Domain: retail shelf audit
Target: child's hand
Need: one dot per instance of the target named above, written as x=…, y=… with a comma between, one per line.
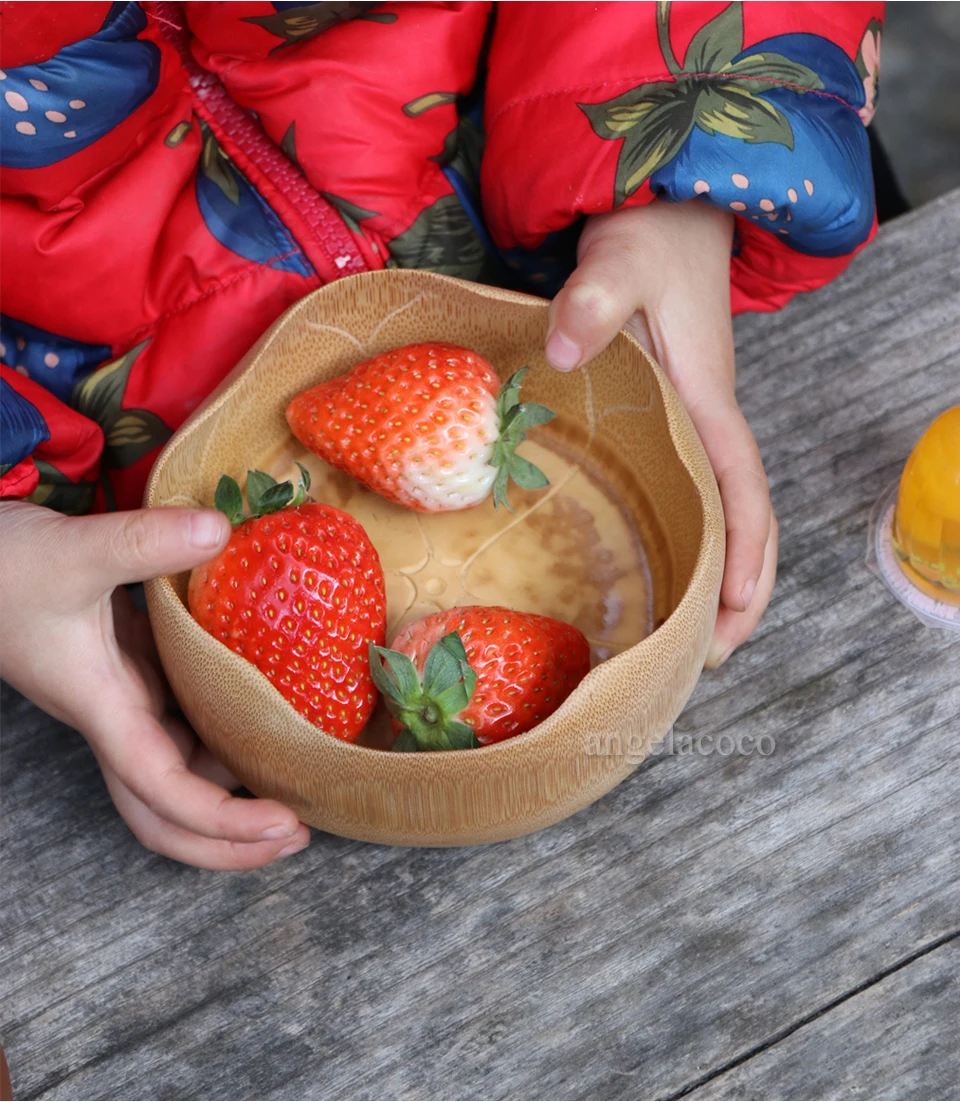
x=664, y=271
x=75, y=645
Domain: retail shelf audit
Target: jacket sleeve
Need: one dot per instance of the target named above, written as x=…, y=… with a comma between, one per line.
x=759, y=109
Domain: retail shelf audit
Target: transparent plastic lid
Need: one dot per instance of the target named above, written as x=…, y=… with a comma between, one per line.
x=883, y=560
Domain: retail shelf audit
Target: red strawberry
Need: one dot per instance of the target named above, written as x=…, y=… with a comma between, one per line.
x=427, y=426
x=471, y=676
x=298, y=591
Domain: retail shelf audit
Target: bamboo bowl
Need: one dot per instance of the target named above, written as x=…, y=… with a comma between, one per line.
x=627, y=543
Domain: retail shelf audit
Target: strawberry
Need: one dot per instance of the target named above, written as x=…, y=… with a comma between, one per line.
x=471, y=676
x=298, y=591
x=427, y=426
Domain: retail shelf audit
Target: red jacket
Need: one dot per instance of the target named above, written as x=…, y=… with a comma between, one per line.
x=174, y=177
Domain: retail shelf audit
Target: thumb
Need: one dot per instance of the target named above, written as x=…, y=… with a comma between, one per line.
x=118, y=548
x=603, y=292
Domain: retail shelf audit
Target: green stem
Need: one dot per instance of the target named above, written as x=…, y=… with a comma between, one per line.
x=663, y=37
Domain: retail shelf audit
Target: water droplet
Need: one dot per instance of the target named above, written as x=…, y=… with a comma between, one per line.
x=55, y=116
x=808, y=187
x=740, y=180
x=39, y=85
x=701, y=187
x=738, y=206
x=16, y=101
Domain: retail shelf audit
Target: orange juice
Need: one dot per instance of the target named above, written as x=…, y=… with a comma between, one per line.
x=926, y=529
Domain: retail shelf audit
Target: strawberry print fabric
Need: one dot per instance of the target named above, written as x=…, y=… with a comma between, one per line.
x=173, y=177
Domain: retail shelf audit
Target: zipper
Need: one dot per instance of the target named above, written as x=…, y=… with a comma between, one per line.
x=316, y=225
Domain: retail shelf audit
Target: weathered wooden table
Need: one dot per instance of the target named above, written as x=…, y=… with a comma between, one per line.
x=779, y=926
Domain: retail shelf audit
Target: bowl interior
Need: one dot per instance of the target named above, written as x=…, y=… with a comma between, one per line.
x=609, y=546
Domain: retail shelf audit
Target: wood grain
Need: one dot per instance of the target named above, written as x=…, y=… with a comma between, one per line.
x=753, y=926
x=901, y=1015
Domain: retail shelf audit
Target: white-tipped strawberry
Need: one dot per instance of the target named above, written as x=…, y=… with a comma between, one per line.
x=427, y=426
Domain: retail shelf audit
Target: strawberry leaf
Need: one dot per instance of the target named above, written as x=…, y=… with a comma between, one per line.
x=515, y=418
x=441, y=670
x=258, y=483
x=428, y=713
x=216, y=166
x=453, y=699
x=404, y=673
x=275, y=498
x=460, y=736
x=653, y=142
x=509, y=395
x=766, y=71
x=734, y=111
x=613, y=118
x=526, y=475
x=405, y=742
x=717, y=43
x=454, y=644
x=303, y=486
x=380, y=677
x=229, y=500
x=532, y=414
x=500, y=484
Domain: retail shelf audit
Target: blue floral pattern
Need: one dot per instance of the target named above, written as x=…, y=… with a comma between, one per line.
x=239, y=218
x=57, y=363
x=22, y=427
x=772, y=133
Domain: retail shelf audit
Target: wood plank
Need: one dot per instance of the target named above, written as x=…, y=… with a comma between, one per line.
x=901, y=1015
x=678, y=933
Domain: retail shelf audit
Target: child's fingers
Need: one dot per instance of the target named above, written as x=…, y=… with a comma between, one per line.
x=117, y=548
x=744, y=492
x=152, y=763
x=597, y=299
x=205, y=765
x=172, y=840
x=734, y=628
